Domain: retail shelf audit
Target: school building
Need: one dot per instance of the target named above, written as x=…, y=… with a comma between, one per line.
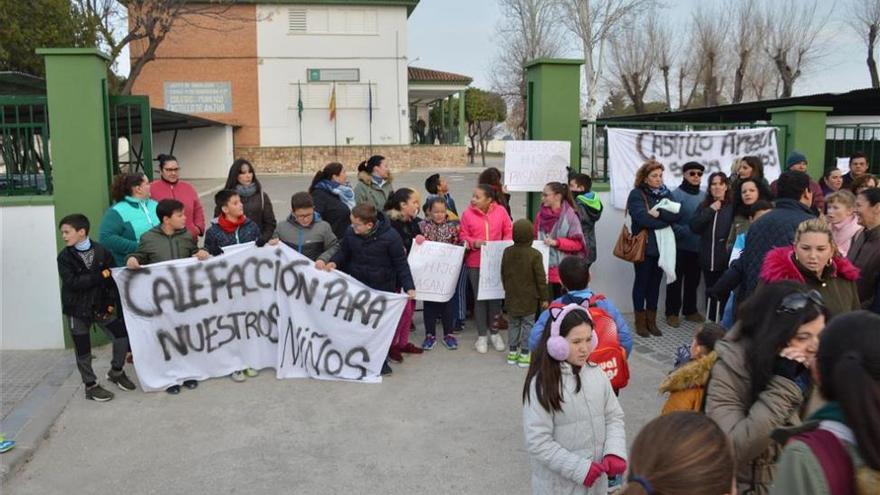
x=302, y=83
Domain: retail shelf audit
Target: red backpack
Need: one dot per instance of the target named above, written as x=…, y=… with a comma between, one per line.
x=608, y=354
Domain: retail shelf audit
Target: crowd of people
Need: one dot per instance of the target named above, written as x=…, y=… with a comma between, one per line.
x=784, y=364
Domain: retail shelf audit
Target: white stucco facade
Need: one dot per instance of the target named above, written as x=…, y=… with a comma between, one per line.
x=30, y=302
x=292, y=39
x=203, y=153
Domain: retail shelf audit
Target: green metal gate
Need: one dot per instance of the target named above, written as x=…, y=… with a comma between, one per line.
x=594, y=139
x=25, y=165
x=843, y=140
x=129, y=130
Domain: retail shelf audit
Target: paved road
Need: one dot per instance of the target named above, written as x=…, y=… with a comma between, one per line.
x=444, y=422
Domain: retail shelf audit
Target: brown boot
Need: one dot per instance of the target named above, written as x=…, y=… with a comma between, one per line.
x=641, y=326
x=673, y=321
x=651, y=322
x=695, y=318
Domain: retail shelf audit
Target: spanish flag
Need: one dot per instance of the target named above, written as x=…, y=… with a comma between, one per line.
x=333, y=103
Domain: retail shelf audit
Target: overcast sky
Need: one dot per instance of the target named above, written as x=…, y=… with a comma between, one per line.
x=459, y=36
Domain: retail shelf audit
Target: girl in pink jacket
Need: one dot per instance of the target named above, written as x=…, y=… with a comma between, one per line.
x=484, y=220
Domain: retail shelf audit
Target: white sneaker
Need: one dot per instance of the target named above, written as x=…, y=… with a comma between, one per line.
x=238, y=376
x=497, y=342
x=481, y=345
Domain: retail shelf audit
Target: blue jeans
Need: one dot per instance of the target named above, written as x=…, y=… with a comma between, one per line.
x=646, y=286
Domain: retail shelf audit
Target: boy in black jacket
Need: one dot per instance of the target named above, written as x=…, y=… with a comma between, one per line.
x=89, y=296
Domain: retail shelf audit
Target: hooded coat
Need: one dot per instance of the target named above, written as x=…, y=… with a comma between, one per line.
x=84, y=290
x=589, y=208
x=837, y=284
x=332, y=210
x=748, y=423
x=257, y=207
x=407, y=229
x=216, y=238
x=156, y=246
x=367, y=191
x=376, y=259
x=522, y=273
x=686, y=385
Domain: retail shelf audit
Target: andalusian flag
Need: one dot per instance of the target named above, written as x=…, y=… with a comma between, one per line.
x=299, y=101
x=333, y=103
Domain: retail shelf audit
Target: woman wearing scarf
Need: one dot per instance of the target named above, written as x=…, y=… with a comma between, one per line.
x=841, y=215
x=333, y=197
x=257, y=205
x=374, y=182
x=648, y=191
x=559, y=226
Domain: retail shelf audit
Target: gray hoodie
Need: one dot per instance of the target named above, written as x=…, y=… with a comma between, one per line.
x=315, y=242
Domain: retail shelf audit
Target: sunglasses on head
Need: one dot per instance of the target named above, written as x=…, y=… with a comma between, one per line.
x=797, y=302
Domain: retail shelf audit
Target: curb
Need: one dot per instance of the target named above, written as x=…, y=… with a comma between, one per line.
x=31, y=419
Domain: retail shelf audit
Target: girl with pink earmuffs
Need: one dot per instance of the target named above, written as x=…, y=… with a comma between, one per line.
x=573, y=423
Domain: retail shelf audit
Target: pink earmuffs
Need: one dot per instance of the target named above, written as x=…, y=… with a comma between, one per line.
x=557, y=346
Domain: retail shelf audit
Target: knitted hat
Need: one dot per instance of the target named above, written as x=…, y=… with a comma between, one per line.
x=693, y=165
x=793, y=158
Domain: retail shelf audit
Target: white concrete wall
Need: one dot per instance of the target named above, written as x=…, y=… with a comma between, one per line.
x=284, y=59
x=203, y=153
x=30, y=301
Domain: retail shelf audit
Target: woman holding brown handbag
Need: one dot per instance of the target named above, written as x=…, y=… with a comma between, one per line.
x=648, y=191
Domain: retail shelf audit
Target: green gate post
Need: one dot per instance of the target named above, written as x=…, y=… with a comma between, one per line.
x=76, y=82
x=553, y=108
x=806, y=134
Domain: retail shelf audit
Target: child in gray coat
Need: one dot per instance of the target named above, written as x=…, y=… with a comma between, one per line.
x=305, y=232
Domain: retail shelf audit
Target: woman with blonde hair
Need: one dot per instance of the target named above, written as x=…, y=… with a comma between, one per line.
x=840, y=209
x=814, y=261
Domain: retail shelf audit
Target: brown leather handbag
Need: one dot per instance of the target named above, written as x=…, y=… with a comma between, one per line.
x=631, y=247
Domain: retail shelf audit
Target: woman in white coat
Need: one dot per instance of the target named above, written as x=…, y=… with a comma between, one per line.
x=573, y=423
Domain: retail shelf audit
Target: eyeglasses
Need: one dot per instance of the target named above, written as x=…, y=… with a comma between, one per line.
x=695, y=174
x=797, y=302
x=175, y=170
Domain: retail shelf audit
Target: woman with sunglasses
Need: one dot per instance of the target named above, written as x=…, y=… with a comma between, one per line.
x=761, y=380
x=815, y=262
x=838, y=449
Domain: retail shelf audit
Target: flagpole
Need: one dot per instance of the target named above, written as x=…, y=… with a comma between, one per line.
x=370, y=88
x=335, y=120
x=299, y=107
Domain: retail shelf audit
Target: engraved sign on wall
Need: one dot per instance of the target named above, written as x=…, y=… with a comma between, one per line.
x=198, y=97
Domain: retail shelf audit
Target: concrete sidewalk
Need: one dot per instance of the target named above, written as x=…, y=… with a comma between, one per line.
x=444, y=422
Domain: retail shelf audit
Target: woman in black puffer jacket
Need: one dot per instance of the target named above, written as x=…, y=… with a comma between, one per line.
x=713, y=221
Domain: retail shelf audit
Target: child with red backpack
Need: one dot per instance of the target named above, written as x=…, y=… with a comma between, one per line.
x=574, y=273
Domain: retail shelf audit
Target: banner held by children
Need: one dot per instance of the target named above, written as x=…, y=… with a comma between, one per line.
x=628, y=149
x=530, y=165
x=260, y=308
x=491, y=253
x=435, y=267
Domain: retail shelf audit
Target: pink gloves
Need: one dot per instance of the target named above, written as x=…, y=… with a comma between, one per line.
x=613, y=465
x=593, y=474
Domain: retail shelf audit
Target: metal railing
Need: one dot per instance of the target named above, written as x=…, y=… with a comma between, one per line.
x=843, y=140
x=25, y=164
x=130, y=135
x=594, y=139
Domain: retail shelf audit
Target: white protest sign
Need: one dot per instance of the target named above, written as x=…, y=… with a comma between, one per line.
x=261, y=308
x=491, y=286
x=628, y=149
x=843, y=164
x=530, y=165
x=435, y=268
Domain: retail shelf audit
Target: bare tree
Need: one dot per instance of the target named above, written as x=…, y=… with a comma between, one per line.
x=664, y=54
x=710, y=31
x=148, y=24
x=632, y=57
x=794, y=27
x=866, y=20
x=528, y=31
x=690, y=70
x=762, y=80
x=748, y=31
x=593, y=23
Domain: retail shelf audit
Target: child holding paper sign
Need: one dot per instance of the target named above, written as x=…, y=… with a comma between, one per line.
x=484, y=220
x=438, y=228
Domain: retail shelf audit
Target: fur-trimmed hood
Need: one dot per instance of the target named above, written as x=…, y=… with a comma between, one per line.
x=779, y=265
x=690, y=375
x=367, y=178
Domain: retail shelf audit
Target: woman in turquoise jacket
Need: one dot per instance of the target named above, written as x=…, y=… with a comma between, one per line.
x=132, y=214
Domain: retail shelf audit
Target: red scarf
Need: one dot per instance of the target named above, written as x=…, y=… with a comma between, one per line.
x=228, y=225
x=548, y=218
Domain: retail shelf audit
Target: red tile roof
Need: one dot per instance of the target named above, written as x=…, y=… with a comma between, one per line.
x=427, y=75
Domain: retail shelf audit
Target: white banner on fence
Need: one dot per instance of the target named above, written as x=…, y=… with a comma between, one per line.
x=530, y=165
x=491, y=253
x=435, y=267
x=260, y=308
x=628, y=149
